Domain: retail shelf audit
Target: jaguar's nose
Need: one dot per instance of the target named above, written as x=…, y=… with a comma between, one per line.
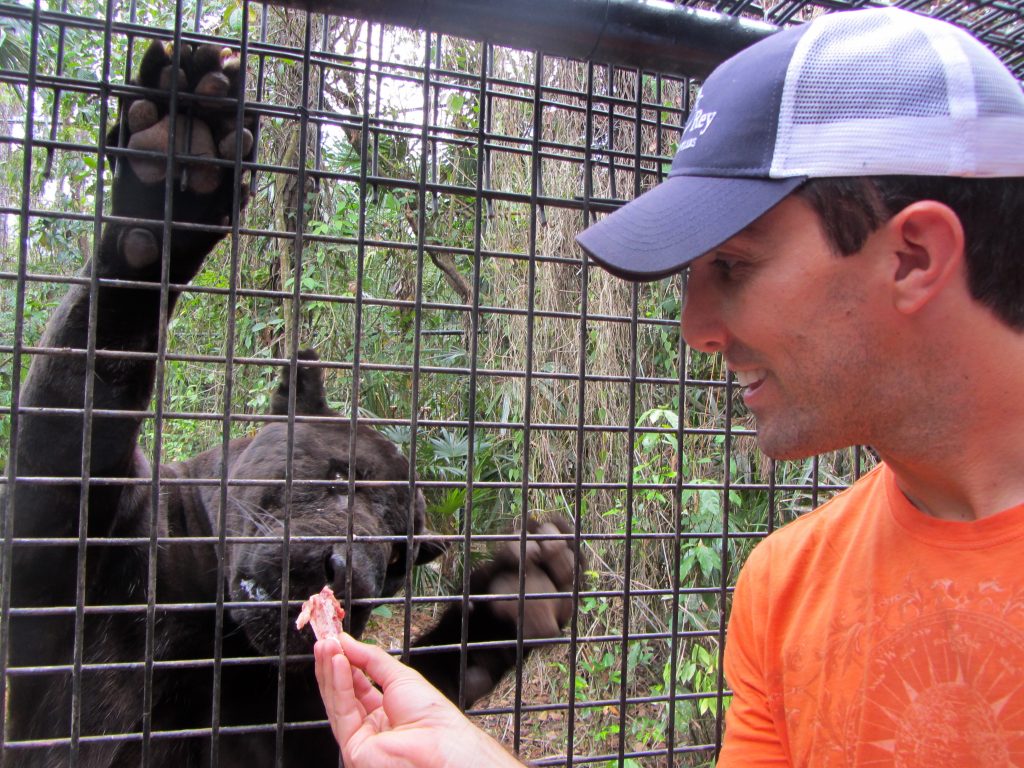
x=334, y=567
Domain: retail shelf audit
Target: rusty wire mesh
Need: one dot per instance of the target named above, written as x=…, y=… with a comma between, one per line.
x=415, y=200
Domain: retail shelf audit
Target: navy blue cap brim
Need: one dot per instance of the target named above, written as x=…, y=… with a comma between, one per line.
x=679, y=220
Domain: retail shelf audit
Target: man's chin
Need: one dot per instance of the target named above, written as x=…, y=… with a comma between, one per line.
x=789, y=446
x=784, y=455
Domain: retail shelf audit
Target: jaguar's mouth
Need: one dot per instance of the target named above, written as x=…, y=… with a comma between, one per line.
x=253, y=591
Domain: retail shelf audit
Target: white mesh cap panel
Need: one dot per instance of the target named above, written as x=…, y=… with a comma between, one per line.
x=995, y=85
x=895, y=94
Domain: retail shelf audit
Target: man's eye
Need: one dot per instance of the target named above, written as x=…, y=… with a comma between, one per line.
x=726, y=268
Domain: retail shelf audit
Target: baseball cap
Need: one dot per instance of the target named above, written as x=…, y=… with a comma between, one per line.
x=855, y=93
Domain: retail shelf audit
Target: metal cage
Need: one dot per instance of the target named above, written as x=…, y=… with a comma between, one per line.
x=419, y=173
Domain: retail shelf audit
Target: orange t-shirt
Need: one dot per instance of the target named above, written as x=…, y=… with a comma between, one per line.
x=867, y=633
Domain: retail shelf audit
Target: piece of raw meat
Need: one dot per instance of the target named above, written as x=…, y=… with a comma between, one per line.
x=324, y=613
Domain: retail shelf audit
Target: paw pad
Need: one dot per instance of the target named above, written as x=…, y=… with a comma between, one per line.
x=205, y=127
x=139, y=247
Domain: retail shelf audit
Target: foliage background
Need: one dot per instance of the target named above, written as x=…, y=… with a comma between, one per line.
x=431, y=235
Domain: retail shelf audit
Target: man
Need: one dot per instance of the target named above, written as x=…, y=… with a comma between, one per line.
x=846, y=198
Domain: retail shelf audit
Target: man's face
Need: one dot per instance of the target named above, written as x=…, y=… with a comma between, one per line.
x=802, y=328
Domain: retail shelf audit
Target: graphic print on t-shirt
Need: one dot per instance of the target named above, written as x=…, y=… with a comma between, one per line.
x=942, y=682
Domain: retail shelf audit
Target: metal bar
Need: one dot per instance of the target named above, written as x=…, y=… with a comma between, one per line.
x=536, y=170
x=220, y=546
x=159, y=389
x=581, y=418
x=87, y=416
x=474, y=357
x=301, y=173
x=631, y=418
x=650, y=34
x=723, y=597
x=7, y=511
x=417, y=345
x=612, y=179
x=273, y=605
x=489, y=538
x=629, y=537
x=677, y=497
x=357, y=345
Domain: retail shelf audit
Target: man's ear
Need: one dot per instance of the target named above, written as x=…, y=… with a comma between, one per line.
x=929, y=253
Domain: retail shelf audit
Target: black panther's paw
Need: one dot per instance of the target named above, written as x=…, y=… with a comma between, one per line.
x=208, y=143
x=205, y=127
x=550, y=567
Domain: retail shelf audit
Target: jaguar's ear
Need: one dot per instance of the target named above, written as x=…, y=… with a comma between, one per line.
x=430, y=549
x=309, y=389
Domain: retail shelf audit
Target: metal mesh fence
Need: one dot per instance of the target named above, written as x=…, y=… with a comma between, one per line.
x=413, y=201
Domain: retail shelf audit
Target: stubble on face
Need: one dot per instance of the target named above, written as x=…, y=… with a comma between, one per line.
x=823, y=409
x=777, y=300
x=825, y=354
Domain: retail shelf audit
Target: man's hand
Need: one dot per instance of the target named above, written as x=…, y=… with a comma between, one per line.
x=407, y=723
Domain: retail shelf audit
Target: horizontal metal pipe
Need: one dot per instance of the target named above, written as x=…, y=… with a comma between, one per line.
x=654, y=35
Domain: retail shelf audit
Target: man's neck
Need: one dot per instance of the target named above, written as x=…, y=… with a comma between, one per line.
x=962, y=458
x=966, y=502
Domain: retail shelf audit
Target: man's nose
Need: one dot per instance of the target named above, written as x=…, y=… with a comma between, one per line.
x=701, y=323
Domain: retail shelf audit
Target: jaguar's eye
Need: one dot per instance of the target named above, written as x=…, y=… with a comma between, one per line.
x=339, y=483
x=396, y=555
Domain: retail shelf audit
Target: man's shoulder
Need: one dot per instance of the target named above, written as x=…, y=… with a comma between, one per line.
x=825, y=529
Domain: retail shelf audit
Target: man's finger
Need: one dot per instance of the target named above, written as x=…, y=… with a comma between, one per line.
x=369, y=696
x=349, y=714
x=322, y=653
x=324, y=676
x=407, y=696
x=378, y=665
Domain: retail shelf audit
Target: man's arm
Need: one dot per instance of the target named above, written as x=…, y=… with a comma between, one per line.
x=751, y=737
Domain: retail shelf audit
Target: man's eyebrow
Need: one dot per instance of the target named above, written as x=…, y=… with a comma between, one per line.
x=753, y=233
x=749, y=235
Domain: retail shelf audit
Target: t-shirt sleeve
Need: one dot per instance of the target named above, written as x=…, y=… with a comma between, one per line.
x=751, y=737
